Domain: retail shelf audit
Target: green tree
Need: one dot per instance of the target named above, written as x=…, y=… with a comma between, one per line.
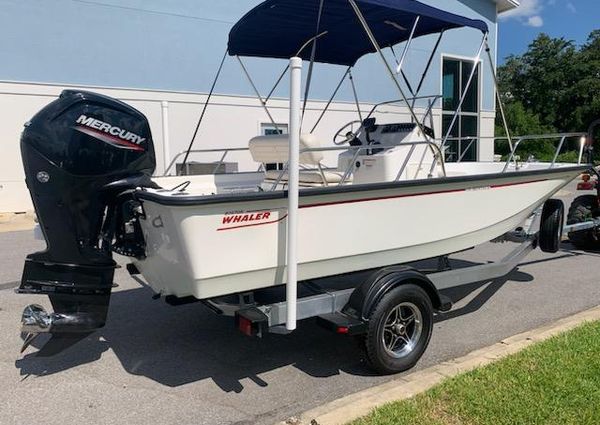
x=540, y=78
x=553, y=87
x=523, y=122
x=582, y=101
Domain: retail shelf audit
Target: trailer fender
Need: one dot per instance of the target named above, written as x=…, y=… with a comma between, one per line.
x=366, y=296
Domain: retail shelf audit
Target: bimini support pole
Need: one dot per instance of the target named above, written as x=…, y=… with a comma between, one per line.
x=337, y=88
x=210, y=93
x=291, y=291
x=498, y=95
x=258, y=96
x=375, y=44
x=426, y=70
x=407, y=45
x=356, y=102
x=475, y=61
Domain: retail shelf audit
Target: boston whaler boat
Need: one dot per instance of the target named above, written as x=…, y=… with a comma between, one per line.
x=391, y=200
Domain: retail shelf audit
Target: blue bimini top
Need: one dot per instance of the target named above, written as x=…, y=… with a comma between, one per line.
x=279, y=28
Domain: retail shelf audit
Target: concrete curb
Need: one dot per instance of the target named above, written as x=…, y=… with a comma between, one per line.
x=356, y=405
x=11, y=222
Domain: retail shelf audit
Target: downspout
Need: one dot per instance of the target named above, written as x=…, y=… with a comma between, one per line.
x=165, y=133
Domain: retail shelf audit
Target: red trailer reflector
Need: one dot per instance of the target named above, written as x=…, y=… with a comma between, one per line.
x=251, y=321
x=245, y=326
x=585, y=185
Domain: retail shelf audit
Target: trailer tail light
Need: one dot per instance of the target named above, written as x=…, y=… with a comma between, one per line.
x=585, y=185
x=343, y=330
x=251, y=321
x=245, y=326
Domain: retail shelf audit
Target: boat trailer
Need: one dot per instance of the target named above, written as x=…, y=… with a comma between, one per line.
x=348, y=308
x=332, y=307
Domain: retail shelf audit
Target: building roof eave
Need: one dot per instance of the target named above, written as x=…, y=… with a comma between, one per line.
x=506, y=5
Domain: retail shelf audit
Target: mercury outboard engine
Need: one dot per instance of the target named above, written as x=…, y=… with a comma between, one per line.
x=83, y=154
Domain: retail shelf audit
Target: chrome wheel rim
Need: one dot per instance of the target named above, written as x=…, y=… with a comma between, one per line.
x=402, y=329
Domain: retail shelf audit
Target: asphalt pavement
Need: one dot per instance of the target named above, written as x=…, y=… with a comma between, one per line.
x=157, y=364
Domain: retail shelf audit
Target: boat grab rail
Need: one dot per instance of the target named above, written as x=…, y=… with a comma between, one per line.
x=434, y=97
x=219, y=163
x=519, y=139
x=438, y=153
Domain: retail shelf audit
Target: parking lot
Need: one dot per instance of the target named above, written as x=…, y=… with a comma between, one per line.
x=154, y=363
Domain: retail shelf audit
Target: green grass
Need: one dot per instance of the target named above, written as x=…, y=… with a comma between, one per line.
x=553, y=382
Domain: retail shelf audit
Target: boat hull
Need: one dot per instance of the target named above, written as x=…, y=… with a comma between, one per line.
x=211, y=248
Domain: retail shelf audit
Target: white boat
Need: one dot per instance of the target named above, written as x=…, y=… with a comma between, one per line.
x=207, y=245
x=391, y=199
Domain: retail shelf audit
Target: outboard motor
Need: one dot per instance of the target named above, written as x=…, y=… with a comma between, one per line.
x=83, y=155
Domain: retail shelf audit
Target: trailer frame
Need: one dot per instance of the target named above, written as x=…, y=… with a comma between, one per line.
x=273, y=315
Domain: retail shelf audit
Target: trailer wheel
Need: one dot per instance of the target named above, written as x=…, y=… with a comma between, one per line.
x=399, y=329
x=551, y=226
x=583, y=209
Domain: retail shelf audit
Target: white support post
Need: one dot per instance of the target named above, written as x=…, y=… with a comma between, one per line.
x=165, y=133
x=293, y=187
x=582, y=142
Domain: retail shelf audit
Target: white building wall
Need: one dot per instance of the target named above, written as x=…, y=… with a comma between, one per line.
x=230, y=121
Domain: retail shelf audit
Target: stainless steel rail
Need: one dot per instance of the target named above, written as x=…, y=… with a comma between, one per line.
x=434, y=97
x=562, y=137
x=434, y=146
x=519, y=139
x=219, y=163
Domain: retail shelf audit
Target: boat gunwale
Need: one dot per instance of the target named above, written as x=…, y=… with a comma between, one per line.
x=196, y=200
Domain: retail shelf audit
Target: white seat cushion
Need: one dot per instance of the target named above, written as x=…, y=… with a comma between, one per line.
x=274, y=149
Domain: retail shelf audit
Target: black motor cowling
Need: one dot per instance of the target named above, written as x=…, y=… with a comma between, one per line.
x=82, y=154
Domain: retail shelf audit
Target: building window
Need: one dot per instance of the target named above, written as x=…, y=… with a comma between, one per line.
x=267, y=129
x=455, y=76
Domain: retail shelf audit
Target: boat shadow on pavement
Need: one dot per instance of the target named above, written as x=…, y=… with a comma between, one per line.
x=176, y=346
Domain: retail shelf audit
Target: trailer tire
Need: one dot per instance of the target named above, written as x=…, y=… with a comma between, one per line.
x=583, y=209
x=551, y=226
x=394, y=342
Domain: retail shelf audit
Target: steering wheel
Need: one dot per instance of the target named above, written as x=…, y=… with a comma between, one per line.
x=348, y=136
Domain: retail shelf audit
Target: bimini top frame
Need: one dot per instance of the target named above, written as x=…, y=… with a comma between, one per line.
x=344, y=30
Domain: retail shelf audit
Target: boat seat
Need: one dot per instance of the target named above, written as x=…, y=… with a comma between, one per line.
x=274, y=149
